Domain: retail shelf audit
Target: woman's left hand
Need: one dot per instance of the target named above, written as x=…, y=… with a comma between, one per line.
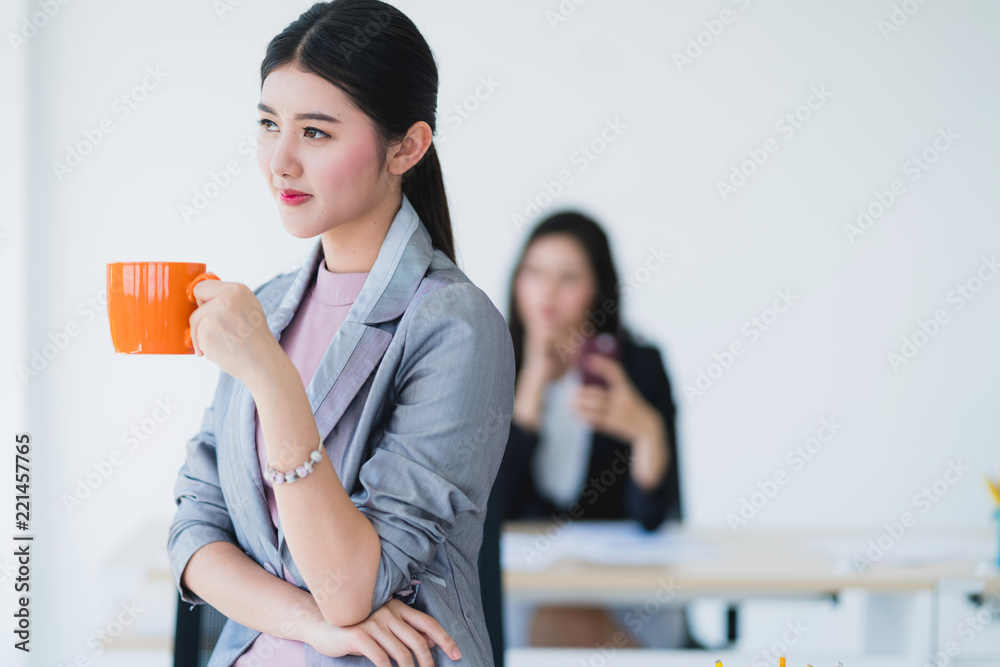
x=621, y=411
x=230, y=328
x=618, y=409
x=395, y=630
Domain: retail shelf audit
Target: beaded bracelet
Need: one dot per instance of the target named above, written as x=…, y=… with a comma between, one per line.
x=410, y=594
x=278, y=477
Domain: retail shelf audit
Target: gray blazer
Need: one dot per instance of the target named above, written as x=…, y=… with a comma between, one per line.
x=413, y=398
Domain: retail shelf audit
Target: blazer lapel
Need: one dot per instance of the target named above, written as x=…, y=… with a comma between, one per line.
x=355, y=351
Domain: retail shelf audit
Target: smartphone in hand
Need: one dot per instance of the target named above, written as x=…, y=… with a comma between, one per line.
x=605, y=344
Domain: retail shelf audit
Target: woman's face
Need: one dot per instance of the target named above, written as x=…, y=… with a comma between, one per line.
x=312, y=140
x=555, y=286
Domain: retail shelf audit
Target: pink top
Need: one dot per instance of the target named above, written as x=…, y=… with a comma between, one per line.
x=305, y=341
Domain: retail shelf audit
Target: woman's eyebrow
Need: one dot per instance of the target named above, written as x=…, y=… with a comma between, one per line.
x=300, y=116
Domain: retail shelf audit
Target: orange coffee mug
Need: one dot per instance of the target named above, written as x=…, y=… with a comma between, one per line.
x=150, y=305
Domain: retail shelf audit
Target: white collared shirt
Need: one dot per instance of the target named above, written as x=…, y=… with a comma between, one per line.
x=562, y=457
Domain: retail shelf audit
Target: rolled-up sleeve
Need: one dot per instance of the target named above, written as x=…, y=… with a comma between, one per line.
x=444, y=438
x=202, y=515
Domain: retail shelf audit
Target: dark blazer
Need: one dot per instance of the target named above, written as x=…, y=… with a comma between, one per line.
x=607, y=493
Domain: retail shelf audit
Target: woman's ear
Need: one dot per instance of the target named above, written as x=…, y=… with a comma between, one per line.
x=408, y=152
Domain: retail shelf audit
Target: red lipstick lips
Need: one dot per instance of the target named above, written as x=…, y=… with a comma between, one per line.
x=293, y=197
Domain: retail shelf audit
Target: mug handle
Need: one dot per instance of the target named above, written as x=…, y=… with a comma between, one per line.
x=208, y=275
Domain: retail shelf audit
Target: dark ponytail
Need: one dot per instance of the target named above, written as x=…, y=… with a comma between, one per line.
x=376, y=55
x=424, y=187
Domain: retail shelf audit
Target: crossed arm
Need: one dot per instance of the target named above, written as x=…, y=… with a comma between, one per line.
x=428, y=468
x=335, y=546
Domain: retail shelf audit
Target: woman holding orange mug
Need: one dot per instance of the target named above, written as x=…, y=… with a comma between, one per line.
x=150, y=305
x=331, y=504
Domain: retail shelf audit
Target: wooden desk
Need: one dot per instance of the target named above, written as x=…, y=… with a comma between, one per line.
x=639, y=658
x=773, y=564
x=749, y=564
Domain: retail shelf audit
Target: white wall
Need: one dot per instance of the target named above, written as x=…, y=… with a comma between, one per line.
x=13, y=305
x=654, y=186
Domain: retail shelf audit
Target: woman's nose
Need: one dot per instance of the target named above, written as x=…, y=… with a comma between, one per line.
x=548, y=290
x=283, y=160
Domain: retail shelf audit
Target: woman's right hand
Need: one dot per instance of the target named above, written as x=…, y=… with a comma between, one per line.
x=542, y=355
x=393, y=631
x=541, y=364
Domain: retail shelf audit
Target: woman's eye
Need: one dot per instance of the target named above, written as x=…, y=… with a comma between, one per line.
x=310, y=132
x=313, y=129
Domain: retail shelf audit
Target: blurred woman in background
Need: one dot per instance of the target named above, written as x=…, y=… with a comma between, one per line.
x=582, y=447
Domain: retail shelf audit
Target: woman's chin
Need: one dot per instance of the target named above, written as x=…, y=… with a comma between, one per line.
x=298, y=230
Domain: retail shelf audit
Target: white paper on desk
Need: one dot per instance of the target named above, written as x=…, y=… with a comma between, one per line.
x=908, y=550
x=604, y=542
